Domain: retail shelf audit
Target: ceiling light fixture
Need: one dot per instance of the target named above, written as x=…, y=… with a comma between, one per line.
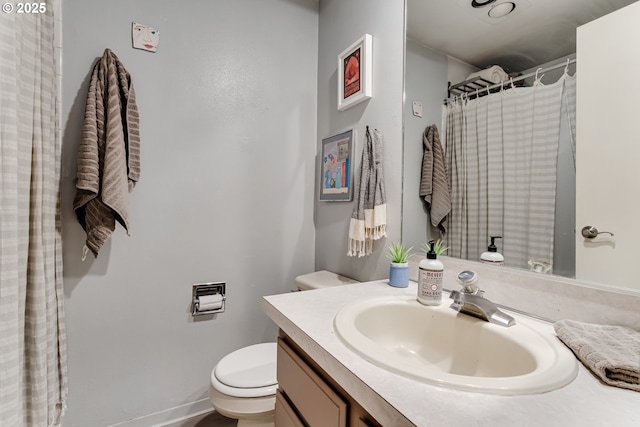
x=502, y=9
x=480, y=3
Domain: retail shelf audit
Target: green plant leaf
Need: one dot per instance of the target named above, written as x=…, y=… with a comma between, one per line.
x=438, y=247
x=398, y=253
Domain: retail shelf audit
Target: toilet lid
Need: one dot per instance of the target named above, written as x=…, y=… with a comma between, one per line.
x=249, y=367
x=321, y=279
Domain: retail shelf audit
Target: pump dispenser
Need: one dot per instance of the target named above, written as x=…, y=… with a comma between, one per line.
x=492, y=256
x=430, y=275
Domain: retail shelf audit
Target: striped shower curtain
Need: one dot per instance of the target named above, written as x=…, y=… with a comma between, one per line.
x=502, y=152
x=32, y=335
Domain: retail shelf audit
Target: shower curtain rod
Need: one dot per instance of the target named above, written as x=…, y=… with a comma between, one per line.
x=517, y=79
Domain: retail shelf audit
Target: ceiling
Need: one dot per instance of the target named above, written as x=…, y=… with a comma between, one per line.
x=536, y=32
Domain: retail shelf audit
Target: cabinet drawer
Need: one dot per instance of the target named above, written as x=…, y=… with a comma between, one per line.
x=313, y=398
x=285, y=415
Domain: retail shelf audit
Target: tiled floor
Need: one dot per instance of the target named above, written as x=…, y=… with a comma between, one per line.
x=212, y=419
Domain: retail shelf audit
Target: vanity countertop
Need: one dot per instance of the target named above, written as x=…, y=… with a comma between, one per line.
x=307, y=317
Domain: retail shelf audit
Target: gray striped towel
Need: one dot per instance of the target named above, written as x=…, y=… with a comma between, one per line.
x=109, y=153
x=434, y=184
x=369, y=217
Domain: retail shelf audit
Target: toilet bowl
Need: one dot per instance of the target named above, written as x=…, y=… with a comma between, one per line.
x=243, y=384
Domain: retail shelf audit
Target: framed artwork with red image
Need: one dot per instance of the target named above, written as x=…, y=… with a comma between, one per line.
x=354, y=73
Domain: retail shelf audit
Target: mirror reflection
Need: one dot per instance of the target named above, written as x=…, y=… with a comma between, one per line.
x=538, y=234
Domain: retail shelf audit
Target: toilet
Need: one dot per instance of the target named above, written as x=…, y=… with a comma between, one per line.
x=243, y=384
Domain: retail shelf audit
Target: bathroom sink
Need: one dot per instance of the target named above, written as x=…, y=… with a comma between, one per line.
x=440, y=346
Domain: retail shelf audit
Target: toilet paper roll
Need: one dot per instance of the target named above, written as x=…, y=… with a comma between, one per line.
x=209, y=302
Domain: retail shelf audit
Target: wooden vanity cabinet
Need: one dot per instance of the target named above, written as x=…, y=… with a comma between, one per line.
x=307, y=396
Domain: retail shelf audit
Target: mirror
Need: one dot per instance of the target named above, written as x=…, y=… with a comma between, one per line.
x=451, y=40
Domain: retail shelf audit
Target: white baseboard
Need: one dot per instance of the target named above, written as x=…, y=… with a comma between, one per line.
x=168, y=416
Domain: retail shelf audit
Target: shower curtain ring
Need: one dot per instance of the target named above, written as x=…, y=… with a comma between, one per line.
x=537, y=80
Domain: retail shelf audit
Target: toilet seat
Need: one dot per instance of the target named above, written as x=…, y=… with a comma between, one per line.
x=247, y=372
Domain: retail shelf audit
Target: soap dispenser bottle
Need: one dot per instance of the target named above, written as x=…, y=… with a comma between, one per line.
x=492, y=256
x=430, y=275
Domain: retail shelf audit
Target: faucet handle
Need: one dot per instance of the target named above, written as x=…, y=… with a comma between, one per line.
x=472, y=290
x=468, y=280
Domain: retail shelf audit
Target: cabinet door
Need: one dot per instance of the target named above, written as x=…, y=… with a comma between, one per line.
x=316, y=402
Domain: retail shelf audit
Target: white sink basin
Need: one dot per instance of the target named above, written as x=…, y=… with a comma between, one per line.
x=437, y=345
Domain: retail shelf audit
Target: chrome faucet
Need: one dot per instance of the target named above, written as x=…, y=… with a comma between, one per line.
x=469, y=300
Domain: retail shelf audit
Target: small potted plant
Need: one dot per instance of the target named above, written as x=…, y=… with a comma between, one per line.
x=399, y=268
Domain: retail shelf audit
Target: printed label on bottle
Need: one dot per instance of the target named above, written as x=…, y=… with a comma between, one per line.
x=430, y=284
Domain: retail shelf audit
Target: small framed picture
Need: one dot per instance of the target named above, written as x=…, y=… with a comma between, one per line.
x=336, y=167
x=354, y=73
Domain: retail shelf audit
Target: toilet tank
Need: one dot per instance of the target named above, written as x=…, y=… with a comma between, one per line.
x=322, y=279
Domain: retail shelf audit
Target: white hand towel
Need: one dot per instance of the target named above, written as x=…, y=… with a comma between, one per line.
x=494, y=74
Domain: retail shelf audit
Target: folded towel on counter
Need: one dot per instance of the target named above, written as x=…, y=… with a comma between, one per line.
x=369, y=217
x=108, y=156
x=434, y=183
x=611, y=352
x=494, y=74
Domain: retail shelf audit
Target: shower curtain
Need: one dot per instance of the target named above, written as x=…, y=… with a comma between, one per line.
x=502, y=152
x=32, y=335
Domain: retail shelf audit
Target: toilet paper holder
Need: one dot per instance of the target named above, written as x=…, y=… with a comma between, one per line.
x=207, y=290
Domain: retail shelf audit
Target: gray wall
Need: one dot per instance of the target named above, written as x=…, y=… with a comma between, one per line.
x=342, y=23
x=425, y=81
x=228, y=110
